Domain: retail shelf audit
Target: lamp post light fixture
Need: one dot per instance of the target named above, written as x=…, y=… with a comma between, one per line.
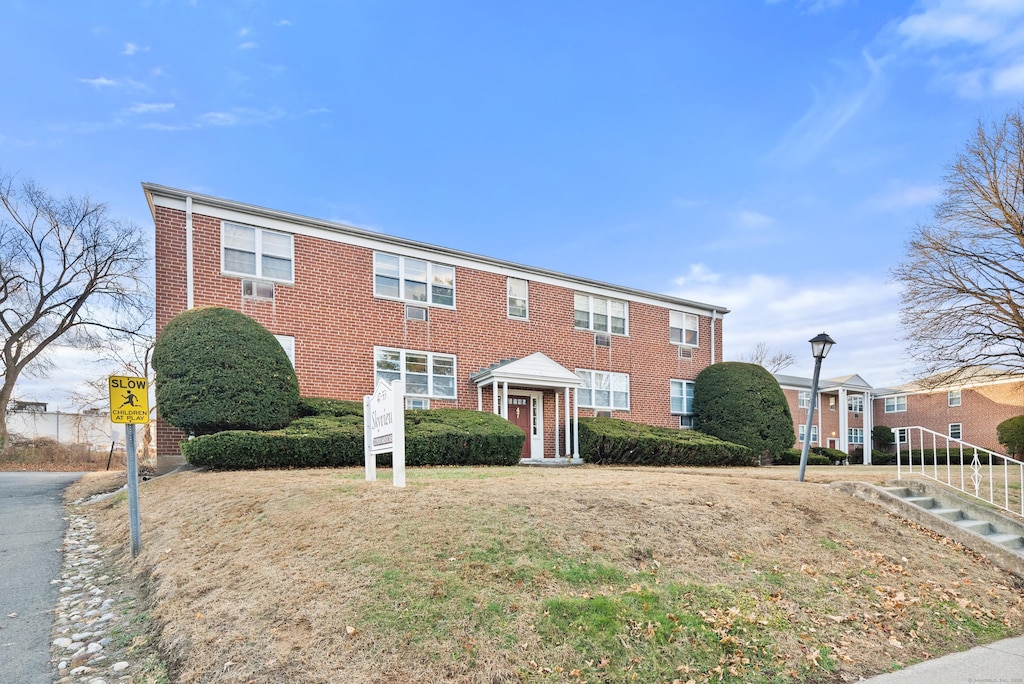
x=820, y=347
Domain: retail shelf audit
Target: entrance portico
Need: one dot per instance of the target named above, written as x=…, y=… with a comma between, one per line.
x=520, y=389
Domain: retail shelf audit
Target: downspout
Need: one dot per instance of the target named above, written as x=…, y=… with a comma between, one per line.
x=190, y=302
x=714, y=317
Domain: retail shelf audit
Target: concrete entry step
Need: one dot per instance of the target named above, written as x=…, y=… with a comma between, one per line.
x=952, y=514
x=1010, y=541
x=982, y=527
x=922, y=501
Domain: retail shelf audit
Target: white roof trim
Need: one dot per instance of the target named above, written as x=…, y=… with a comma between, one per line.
x=535, y=370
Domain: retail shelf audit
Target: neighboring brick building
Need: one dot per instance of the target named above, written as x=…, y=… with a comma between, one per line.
x=968, y=409
x=462, y=330
x=842, y=413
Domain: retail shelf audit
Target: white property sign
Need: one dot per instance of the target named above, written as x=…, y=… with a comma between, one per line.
x=384, y=429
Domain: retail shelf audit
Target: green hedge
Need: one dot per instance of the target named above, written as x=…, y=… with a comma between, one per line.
x=434, y=437
x=792, y=457
x=316, y=406
x=610, y=440
x=931, y=456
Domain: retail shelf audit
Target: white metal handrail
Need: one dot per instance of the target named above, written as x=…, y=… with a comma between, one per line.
x=982, y=463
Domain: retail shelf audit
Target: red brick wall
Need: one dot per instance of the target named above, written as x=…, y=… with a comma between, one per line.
x=826, y=415
x=981, y=410
x=336, y=322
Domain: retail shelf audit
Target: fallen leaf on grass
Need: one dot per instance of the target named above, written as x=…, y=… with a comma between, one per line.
x=350, y=630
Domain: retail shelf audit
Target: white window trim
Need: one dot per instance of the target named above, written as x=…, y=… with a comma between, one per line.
x=896, y=404
x=670, y=396
x=901, y=435
x=590, y=312
x=611, y=392
x=258, y=275
x=401, y=281
x=508, y=298
x=696, y=329
x=959, y=428
x=430, y=371
x=855, y=403
x=954, y=393
x=855, y=435
x=801, y=431
x=803, y=399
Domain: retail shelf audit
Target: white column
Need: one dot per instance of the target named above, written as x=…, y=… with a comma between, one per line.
x=576, y=422
x=557, y=455
x=869, y=420
x=479, y=398
x=504, y=400
x=844, y=422
x=568, y=447
x=494, y=396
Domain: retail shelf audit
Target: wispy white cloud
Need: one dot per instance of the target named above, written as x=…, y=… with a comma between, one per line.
x=132, y=48
x=244, y=31
x=973, y=46
x=98, y=82
x=753, y=220
x=831, y=112
x=150, y=107
x=248, y=45
x=283, y=22
x=812, y=6
x=236, y=117
x=901, y=196
x=860, y=313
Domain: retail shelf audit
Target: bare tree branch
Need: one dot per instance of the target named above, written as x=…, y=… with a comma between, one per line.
x=963, y=275
x=773, y=362
x=69, y=272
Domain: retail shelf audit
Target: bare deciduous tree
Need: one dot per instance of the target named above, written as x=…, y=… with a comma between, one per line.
x=963, y=274
x=69, y=273
x=773, y=362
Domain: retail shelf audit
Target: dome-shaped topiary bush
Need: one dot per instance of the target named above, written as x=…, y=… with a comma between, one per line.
x=742, y=403
x=217, y=369
x=1010, y=434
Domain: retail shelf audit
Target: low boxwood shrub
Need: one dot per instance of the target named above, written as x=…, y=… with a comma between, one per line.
x=792, y=457
x=938, y=456
x=882, y=457
x=611, y=440
x=1010, y=434
x=433, y=437
x=317, y=406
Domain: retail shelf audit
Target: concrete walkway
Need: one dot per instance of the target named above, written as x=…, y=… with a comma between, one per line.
x=999, y=663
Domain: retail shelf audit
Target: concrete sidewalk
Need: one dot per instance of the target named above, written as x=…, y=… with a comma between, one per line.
x=999, y=663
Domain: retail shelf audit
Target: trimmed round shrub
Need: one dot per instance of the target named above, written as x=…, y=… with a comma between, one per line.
x=1010, y=434
x=616, y=441
x=742, y=403
x=883, y=437
x=217, y=369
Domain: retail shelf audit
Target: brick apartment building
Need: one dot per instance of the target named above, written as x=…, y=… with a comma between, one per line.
x=351, y=306
x=848, y=408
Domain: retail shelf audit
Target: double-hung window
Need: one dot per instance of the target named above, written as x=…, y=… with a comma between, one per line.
x=803, y=399
x=802, y=430
x=855, y=435
x=425, y=374
x=683, y=328
x=413, y=280
x=601, y=315
x=681, y=393
x=601, y=390
x=896, y=404
x=855, y=403
x=258, y=253
x=518, y=292
x=953, y=397
x=955, y=431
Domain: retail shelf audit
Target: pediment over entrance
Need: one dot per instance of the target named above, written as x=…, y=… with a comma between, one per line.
x=535, y=370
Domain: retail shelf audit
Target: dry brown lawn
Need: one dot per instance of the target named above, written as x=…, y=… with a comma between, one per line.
x=591, y=574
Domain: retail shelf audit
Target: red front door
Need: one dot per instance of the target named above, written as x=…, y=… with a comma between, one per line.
x=519, y=413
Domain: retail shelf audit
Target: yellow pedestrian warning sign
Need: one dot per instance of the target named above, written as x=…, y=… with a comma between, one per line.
x=129, y=400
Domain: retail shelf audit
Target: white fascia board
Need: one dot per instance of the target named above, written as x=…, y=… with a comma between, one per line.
x=260, y=217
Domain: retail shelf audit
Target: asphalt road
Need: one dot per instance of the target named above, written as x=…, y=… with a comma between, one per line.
x=31, y=535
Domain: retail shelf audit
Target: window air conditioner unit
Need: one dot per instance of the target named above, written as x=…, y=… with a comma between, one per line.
x=685, y=353
x=415, y=313
x=602, y=339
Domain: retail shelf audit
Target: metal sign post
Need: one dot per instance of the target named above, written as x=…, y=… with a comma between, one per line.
x=129, y=404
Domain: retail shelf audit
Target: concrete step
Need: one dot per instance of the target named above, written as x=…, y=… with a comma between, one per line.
x=922, y=501
x=952, y=514
x=982, y=527
x=1010, y=541
x=902, y=492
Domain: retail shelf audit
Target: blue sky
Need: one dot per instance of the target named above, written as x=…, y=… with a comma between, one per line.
x=770, y=157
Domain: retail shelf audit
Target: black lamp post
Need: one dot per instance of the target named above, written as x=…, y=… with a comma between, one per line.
x=820, y=346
